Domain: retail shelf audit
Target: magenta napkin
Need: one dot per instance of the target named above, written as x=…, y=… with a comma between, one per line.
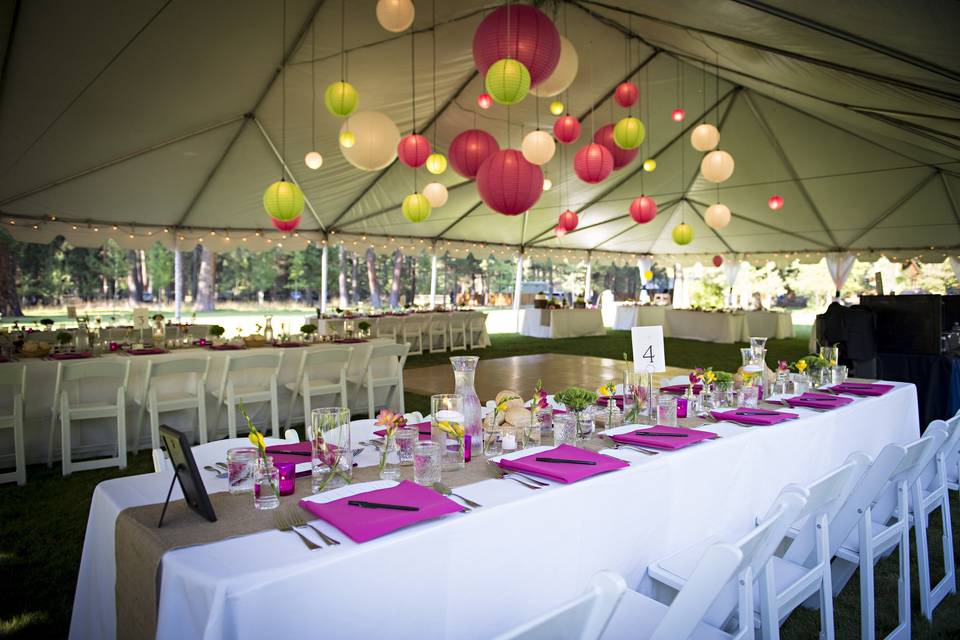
x=756, y=417
x=557, y=412
x=300, y=447
x=423, y=428
x=76, y=355
x=146, y=352
x=818, y=401
x=681, y=388
x=362, y=524
x=862, y=388
x=603, y=401
x=693, y=436
x=561, y=472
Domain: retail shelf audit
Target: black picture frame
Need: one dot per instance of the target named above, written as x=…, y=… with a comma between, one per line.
x=177, y=446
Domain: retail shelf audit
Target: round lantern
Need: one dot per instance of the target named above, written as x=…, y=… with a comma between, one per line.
x=376, y=138
x=559, y=231
x=717, y=166
x=547, y=184
x=643, y=209
x=395, y=15
x=469, y=149
x=621, y=157
x=649, y=165
x=285, y=225
x=704, y=137
x=556, y=107
x=436, y=194
x=416, y=207
x=563, y=76
x=648, y=275
x=629, y=133
x=718, y=261
x=568, y=220
x=341, y=98
x=717, y=216
x=626, y=94
x=347, y=139
x=436, y=163
x=484, y=101
x=678, y=115
x=313, y=160
x=775, y=202
x=593, y=163
x=413, y=150
x=283, y=200
x=507, y=81
x=508, y=184
x=521, y=33
x=538, y=147
x=683, y=233
x=566, y=129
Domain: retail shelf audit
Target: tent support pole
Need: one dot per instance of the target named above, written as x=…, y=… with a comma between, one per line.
x=433, y=276
x=587, y=293
x=323, y=277
x=517, y=286
x=177, y=280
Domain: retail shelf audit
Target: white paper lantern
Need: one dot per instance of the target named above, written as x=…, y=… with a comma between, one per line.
x=313, y=160
x=436, y=194
x=717, y=166
x=704, y=137
x=395, y=15
x=538, y=147
x=717, y=216
x=375, y=140
x=547, y=184
x=564, y=73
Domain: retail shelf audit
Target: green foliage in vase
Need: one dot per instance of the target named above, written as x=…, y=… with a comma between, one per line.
x=576, y=398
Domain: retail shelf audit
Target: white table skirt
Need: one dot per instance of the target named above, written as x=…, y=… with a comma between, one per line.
x=475, y=575
x=706, y=326
x=770, y=324
x=629, y=316
x=562, y=323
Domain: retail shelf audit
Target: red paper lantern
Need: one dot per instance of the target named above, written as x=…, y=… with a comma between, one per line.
x=678, y=115
x=520, y=32
x=559, y=231
x=593, y=163
x=566, y=129
x=469, y=149
x=621, y=157
x=484, y=100
x=508, y=183
x=285, y=225
x=413, y=150
x=775, y=202
x=568, y=220
x=626, y=94
x=643, y=209
x=717, y=261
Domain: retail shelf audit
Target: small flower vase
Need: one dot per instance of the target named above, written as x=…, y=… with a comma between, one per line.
x=390, y=459
x=492, y=437
x=266, y=485
x=584, y=420
x=608, y=416
x=453, y=455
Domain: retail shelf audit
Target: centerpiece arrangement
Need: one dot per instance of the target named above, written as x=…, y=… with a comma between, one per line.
x=391, y=422
x=266, y=486
x=308, y=330
x=578, y=401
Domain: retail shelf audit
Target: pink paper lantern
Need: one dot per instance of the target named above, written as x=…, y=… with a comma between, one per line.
x=508, y=183
x=413, y=150
x=566, y=129
x=593, y=163
x=717, y=261
x=484, y=100
x=469, y=150
x=626, y=94
x=520, y=32
x=568, y=220
x=559, y=231
x=621, y=157
x=285, y=225
x=643, y=209
x=775, y=202
x=678, y=115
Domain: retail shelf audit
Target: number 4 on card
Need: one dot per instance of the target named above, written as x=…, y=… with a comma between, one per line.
x=648, y=349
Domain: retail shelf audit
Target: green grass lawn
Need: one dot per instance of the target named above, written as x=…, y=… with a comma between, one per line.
x=42, y=525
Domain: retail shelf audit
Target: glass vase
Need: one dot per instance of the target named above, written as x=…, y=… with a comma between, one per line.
x=634, y=397
x=584, y=422
x=464, y=370
x=331, y=458
x=390, y=459
x=448, y=428
x=266, y=485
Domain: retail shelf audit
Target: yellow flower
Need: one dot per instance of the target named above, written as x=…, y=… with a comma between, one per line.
x=257, y=439
x=455, y=429
x=710, y=376
x=606, y=390
x=801, y=365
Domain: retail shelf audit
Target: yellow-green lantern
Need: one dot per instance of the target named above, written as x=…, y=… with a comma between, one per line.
x=628, y=133
x=283, y=200
x=416, y=207
x=683, y=233
x=436, y=163
x=341, y=98
x=508, y=81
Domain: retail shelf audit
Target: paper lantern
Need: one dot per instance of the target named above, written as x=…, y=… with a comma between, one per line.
x=563, y=76
x=283, y=200
x=484, y=101
x=347, y=139
x=469, y=150
x=643, y=209
x=683, y=234
x=556, y=107
x=285, y=225
x=436, y=163
x=593, y=163
x=416, y=207
x=717, y=166
x=717, y=216
x=538, y=147
x=508, y=184
x=566, y=129
x=376, y=138
x=621, y=157
x=313, y=160
x=704, y=137
x=648, y=275
x=395, y=15
x=568, y=220
x=521, y=33
x=559, y=231
x=678, y=115
x=413, y=150
x=547, y=184
x=341, y=98
x=507, y=81
x=629, y=133
x=649, y=165
x=775, y=202
x=436, y=194
x=626, y=94
x=718, y=261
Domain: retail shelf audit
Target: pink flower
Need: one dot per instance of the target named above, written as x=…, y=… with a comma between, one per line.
x=782, y=365
x=693, y=377
x=542, y=400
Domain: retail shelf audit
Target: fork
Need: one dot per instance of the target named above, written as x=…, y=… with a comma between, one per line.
x=519, y=481
x=285, y=522
x=530, y=479
x=631, y=447
x=220, y=473
x=297, y=520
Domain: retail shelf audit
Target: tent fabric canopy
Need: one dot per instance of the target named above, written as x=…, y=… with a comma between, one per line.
x=165, y=119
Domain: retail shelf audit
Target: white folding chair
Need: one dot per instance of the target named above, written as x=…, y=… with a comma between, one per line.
x=384, y=369
x=437, y=331
x=413, y=326
x=98, y=374
x=212, y=452
x=457, y=330
x=388, y=326
x=190, y=374
x=952, y=462
x=14, y=376
x=477, y=330
x=236, y=389
x=322, y=371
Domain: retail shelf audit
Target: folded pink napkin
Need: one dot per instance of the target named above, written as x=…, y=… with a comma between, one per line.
x=146, y=352
x=684, y=437
x=361, y=524
x=75, y=355
x=422, y=427
x=557, y=412
x=862, y=388
x=681, y=388
x=564, y=472
x=301, y=452
x=604, y=401
x=755, y=417
x=818, y=401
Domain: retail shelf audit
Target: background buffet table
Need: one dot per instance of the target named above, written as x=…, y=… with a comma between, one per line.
x=561, y=323
x=709, y=326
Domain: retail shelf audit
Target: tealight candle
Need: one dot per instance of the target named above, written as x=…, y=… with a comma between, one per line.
x=288, y=477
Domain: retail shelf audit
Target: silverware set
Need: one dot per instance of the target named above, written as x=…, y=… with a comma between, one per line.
x=292, y=521
x=443, y=489
x=633, y=447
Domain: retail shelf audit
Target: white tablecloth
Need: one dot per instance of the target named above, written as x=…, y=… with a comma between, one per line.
x=561, y=323
x=770, y=324
x=707, y=326
x=477, y=574
x=639, y=316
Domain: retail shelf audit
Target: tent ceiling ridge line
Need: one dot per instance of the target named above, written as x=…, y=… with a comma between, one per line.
x=716, y=232
x=950, y=198
x=894, y=207
x=740, y=216
x=536, y=242
x=286, y=169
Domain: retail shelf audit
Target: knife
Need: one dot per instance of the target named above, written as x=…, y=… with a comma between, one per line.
x=381, y=505
x=565, y=461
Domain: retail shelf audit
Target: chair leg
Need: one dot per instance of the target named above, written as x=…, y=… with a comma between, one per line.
x=920, y=522
x=202, y=417
x=868, y=614
x=54, y=414
x=122, y=430
x=18, y=452
x=66, y=467
x=903, y=587
x=769, y=619
x=154, y=426
x=138, y=427
x=306, y=415
x=231, y=418
x=344, y=397
x=275, y=412
x=371, y=406
x=293, y=401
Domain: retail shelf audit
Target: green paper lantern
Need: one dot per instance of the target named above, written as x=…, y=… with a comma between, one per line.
x=283, y=200
x=416, y=207
x=683, y=233
x=629, y=133
x=508, y=81
x=341, y=98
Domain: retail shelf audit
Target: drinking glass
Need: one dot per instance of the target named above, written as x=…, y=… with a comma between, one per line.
x=446, y=409
x=426, y=462
x=831, y=355
x=666, y=410
x=800, y=383
x=545, y=418
x=266, y=487
x=492, y=443
x=531, y=432
x=634, y=396
x=241, y=465
x=331, y=458
x=746, y=356
x=390, y=459
x=782, y=385
x=748, y=396
x=838, y=374
x=406, y=437
x=565, y=429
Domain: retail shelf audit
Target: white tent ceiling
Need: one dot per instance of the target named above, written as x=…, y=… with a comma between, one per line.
x=163, y=118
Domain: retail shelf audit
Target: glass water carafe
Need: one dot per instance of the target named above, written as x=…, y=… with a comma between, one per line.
x=464, y=369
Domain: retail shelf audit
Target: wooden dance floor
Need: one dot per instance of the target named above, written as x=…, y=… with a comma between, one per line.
x=520, y=373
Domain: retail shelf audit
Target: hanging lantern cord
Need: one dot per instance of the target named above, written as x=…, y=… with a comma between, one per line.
x=283, y=86
x=413, y=93
x=343, y=52
x=313, y=85
x=436, y=120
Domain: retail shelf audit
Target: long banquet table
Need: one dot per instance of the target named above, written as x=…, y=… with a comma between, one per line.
x=561, y=323
x=477, y=574
x=711, y=326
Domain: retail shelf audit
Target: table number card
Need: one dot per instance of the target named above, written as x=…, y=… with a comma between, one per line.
x=648, y=349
